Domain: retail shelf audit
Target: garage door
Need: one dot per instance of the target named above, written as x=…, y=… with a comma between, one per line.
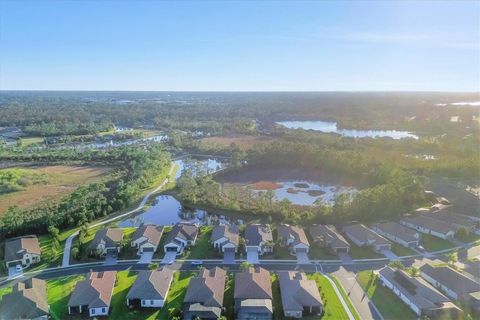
x=147, y=249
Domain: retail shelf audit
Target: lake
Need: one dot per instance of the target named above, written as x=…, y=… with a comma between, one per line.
x=331, y=127
x=196, y=164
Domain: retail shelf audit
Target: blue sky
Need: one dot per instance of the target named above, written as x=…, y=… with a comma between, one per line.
x=240, y=46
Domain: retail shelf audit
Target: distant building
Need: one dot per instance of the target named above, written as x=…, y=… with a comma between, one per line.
x=93, y=295
x=294, y=238
x=398, y=233
x=23, y=250
x=300, y=296
x=182, y=235
x=150, y=289
x=258, y=237
x=365, y=237
x=253, y=294
x=146, y=238
x=28, y=300
x=204, y=297
x=225, y=237
x=427, y=225
x=106, y=240
x=456, y=220
x=328, y=236
x=420, y=296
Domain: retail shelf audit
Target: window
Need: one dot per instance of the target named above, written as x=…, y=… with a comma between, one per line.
x=151, y=302
x=103, y=310
x=93, y=311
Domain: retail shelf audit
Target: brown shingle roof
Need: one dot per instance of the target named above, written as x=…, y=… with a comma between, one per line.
x=208, y=288
x=151, y=285
x=230, y=232
x=253, y=283
x=430, y=223
x=452, y=279
x=297, y=291
x=364, y=234
x=26, y=301
x=111, y=237
x=153, y=233
x=185, y=231
x=16, y=247
x=286, y=231
x=330, y=235
x=257, y=233
x=95, y=292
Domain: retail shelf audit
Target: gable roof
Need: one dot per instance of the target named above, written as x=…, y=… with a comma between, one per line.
x=151, y=285
x=230, y=232
x=452, y=279
x=286, y=231
x=26, y=301
x=257, y=233
x=424, y=221
x=253, y=283
x=364, y=234
x=452, y=218
x=397, y=230
x=95, y=292
x=185, y=231
x=208, y=288
x=152, y=232
x=110, y=237
x=329, y=234
x=297, y=291
x=16, y=247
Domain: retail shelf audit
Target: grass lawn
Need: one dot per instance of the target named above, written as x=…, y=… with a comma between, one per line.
x=332, y=306
x=468, y=238
x=346, y=297
x=389, y=305
x=176, y=293
x=127, y=251
x=228, y=301
x=31, y=140
x=320, y=253
x=202, y=249
x=431, y=243
x=4, y=291
x=357, y=252
x=59, y=291
x=400, y=250
x=277, y=298
x=280, y=252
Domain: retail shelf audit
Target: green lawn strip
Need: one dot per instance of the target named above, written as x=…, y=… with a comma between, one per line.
x=176, y=293
x=161, y=252
x=320, y=253
x=431, y=243
x=333, y=308
x=127, y=252
x=277, y=298
x=468, y=238
x=202, y=249
x=389, y=305
x=280, y=252
x=4, y=291
x=228, y=300
x=357, y=252
x=31, y=140
x=59, y=291
x=346, y=297
x=400, y=250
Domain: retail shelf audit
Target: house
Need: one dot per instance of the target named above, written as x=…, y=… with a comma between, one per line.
x=107, y=240
x=427, y=225
x=470, y=253
x=259, y=237
x=28, y=300
x=456, y=220
x=204, y=297
x=253, y=294
x=294, y=238
x=93, y=295
x=150, y=289
x=146, y=238
x=225, y=238
x=181, y=236
x=300, y=296
x=455, y=285
x=364, y=237
x=418, y=294
x=398, y=233
x=328, y=236
x=23, y=250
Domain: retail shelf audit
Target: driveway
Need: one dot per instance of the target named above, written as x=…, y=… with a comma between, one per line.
x=345, y=257
x=146, y=257
x=389, y=254
x=252, y=256
x=110, y=258
x=302, y=258
x=169, y=257
x=13, y=273
x=229, y=257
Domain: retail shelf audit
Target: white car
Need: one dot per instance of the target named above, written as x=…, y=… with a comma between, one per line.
x=197, y=263
x=18, y=268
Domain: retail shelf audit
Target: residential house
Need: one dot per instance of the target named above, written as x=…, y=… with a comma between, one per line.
x=470, y=253
x=456, y=220
x=23, y=250
x=428, y=225
x=418, y=294
x=398, y=233
x=328, y=236
x=300, y=296
x=181, y=236
x=108, y=240
x=259, y=237
x=225, y=238
x=253, y=294
x=365, y=237
x=28, y=300
x=146, y=238
x=204, y=297
x=294, y=238
x=93, y=295
x=150, y=289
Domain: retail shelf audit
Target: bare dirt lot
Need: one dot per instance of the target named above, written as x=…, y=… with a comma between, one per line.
x=243, y=141
x=60, y=181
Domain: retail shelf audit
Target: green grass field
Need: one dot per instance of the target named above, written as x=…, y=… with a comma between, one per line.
x=389, y=305
x=346, y=297
x=357, y=252
x=431, y=243
x=59, y=291
x=202, y=249
x=319, y=253
x=400, y=250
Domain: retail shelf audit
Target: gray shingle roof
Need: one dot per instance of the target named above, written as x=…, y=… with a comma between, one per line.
x=257, y=233
x=111, y=237
x=208, y=288
x=452, y=279
x=187, y=232
x=364, y=234
x=297, y=291
x=253, y=283
x=16, y=247
x=151, y=285
x=397, y=230
x=153, y=233
x=286, y=231
x=330, y=235
x=95, y=292
x=430, y=223
x=26, y=301
x=230, y=232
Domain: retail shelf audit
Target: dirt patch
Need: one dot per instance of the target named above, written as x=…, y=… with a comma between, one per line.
x=315, y=193
x=292, y=190
x=244, y=142
x=265, y=185
x=61, y=180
